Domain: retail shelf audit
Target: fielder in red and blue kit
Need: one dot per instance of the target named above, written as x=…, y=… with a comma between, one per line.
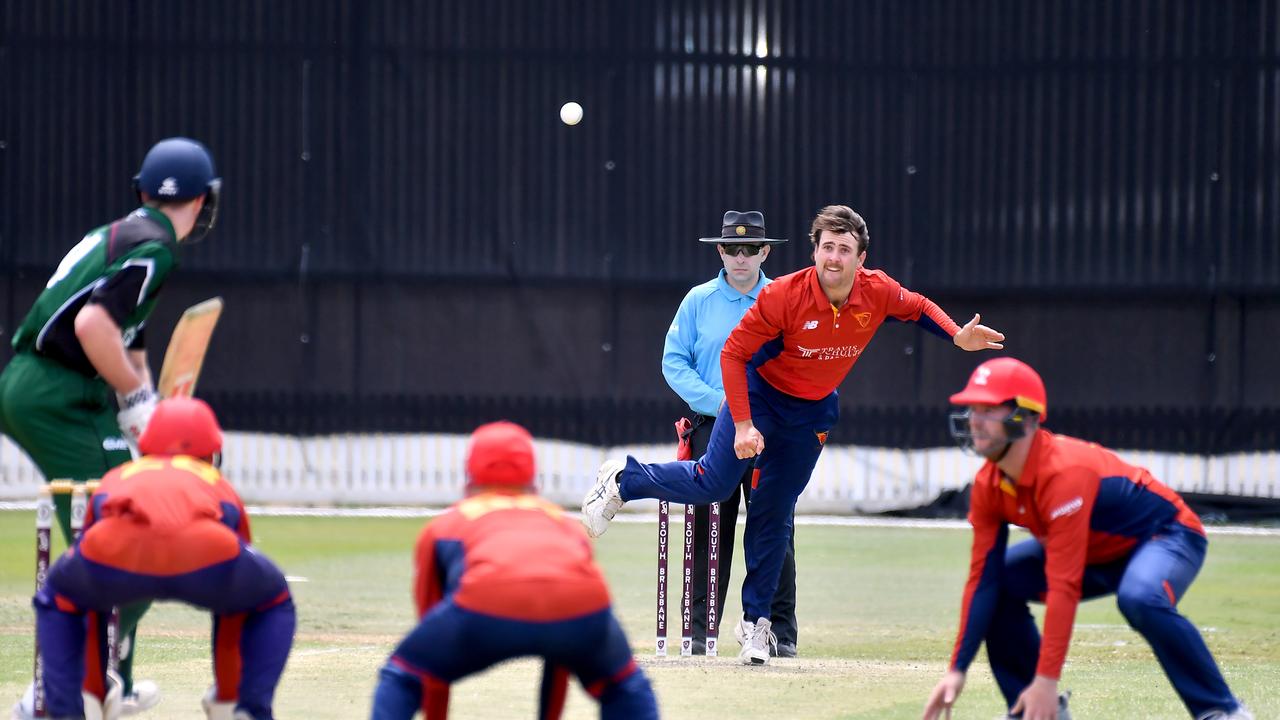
x=168, y=527
x=1099, y=526
x=781, y=366
x=506, y=574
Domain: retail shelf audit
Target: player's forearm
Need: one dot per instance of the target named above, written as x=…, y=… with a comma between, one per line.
x=734, y=376
x=138, y=358
x=936, y=321
x=1059, y=619
x=100, y=338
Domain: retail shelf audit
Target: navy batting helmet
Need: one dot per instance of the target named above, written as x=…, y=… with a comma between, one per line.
x=178, y=169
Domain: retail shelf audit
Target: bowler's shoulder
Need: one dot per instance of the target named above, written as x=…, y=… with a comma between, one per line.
x=876, y=279
x=792, y=284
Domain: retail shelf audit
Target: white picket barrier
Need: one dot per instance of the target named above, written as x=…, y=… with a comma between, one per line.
x=427, y=469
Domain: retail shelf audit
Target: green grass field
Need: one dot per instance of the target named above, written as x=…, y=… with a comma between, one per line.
x=877, y=607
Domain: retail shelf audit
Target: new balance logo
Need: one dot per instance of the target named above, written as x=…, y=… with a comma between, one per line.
x=811, y=325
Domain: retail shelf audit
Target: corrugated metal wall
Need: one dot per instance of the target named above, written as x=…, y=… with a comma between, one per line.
x=1072, y=146
x=1030, y=150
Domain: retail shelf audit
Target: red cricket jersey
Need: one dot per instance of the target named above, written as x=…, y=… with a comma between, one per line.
x=804, y=346
x=512, y=556
x=1085, y=505
x=164, y=516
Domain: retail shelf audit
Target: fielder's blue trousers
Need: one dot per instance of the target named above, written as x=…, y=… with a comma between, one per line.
x=794, y=432
x=451, y=643
x=253, y=623
x=1143, y=584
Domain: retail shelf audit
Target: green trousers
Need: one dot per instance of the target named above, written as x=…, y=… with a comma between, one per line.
x=66, y=423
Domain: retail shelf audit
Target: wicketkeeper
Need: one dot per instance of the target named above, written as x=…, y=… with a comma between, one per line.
x=78, y=391
x=167, y=527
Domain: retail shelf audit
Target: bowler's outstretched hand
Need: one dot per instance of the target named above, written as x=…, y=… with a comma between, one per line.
x=973, y=336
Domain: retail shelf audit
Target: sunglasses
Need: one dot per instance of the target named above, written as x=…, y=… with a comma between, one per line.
x=750, y=250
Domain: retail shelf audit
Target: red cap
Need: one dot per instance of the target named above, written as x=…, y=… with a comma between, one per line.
x=501, y=453
x=998, y=381
x=182, y=426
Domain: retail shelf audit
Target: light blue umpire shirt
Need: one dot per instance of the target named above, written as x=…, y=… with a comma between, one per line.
x=691, y=355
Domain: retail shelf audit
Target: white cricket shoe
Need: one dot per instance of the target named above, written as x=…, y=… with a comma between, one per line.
x=755, y=641
x=214, y=710
x=145, y=695
x=94, y=709
x=603, y=500
x=25, y=708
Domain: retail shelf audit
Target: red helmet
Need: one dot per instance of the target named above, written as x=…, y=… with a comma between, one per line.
x=1003, y=380
x=182, y=426
x=501, y=454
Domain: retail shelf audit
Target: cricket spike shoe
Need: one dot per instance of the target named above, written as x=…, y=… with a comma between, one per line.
x=603, y=500
x=215, y=709
x=756, y=641
x=94, y=709
x=144, y=696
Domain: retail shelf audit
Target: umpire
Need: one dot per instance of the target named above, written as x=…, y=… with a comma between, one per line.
x=691, y=365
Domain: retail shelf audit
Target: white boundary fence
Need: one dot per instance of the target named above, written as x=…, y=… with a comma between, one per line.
x=421, y=469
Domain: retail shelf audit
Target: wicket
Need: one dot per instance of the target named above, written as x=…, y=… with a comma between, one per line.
x=80, y=494
x=713, y=576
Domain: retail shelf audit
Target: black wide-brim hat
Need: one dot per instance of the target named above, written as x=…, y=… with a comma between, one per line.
x=742, y=228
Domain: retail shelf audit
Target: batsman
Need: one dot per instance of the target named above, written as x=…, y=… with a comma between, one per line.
x=77, y=394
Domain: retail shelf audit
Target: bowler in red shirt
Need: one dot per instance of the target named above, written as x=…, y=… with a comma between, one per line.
x=781, y=366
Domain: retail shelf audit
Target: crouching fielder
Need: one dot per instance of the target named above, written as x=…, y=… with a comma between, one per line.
x=167, y=527
x=1099, y=527
x=506, y=574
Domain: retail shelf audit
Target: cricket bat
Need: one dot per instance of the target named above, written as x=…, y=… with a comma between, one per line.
x=187, y=348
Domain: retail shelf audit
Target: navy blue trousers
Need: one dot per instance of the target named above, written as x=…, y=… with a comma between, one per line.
x=254, y=621
x=451, y=643
x=794, y=431
x=1139, y=584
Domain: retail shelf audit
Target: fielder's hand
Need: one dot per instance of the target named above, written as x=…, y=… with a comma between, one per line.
x=978, y=337
x=1039, y=701
x=747, y=440
x=135, y=412
x=944, y=695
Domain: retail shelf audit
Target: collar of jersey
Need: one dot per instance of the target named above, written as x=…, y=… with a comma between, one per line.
x=732, y=293
x=160, y=219
x=1031, y=468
